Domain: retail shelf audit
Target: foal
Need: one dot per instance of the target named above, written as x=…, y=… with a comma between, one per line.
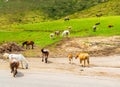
x=70, y=57
x=14, y=64
x=45, y=54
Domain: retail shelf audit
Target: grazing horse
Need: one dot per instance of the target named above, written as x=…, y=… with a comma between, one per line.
x=28, y=43
x=66, y=19
x=57, y=33
x=83, y=57
x=14, y=64
x=70, y=57
x=65, y=33
x=45, y=54
x=110, y=26
x=18, y=57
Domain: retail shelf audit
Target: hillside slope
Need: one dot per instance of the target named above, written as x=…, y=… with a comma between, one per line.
x=26, y=11
x=110, y=8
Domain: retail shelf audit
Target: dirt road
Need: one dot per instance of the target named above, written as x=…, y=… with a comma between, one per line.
x=48, y=79
x=103, y=72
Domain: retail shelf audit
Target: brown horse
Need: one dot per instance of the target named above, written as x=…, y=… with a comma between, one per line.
x=45, y=54
x=83, y=57
x=28, y=43
x=14, y=64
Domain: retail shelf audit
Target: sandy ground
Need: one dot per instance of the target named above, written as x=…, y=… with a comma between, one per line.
x=99, y=66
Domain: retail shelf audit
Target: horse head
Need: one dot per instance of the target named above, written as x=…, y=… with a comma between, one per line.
x=6, y=56
x=77, y=55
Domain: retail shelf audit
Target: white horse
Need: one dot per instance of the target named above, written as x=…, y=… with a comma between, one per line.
x=65, y=33
x=18, y=57
x=52, y=36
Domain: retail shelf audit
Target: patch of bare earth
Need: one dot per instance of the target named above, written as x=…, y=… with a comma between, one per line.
x=95, y=46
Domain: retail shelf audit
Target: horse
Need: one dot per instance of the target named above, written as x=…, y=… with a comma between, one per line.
x=18, y=57
x=83, y=57
x=94, y=28
x=14, y=64
x=45, y=54
x=57, y=33
x=66, y=19
x=52, y=36
x=70, y=57
x=110, y=26
x=28, y=43
x=66, y=33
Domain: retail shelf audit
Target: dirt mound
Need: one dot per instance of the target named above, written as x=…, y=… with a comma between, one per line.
x=95, y=46
x=10, y=47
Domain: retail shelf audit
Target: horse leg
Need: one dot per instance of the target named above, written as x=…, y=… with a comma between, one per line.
x=22, y=64
x=81, y=62
x=32, y=46
x=70, y=60
x=88, y=61
x=46, y=57
x=15, y=72
x=12, y=69
x=84, y=63
x=26, y=46
x=46, y=60
x=42, y=57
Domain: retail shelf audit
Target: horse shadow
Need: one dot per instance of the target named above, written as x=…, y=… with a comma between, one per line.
x=19, y=74
x=49, y=62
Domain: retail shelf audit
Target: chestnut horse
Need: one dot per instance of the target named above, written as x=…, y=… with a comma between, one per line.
x=70, y=57
x=14, y=64
x=45, y=54
x=83, y=57
x=28, y=43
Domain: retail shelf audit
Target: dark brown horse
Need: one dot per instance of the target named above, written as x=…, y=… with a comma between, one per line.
x=28, y=43
x=45, y=54
x=14, y=64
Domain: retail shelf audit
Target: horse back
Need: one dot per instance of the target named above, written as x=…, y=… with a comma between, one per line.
x=84, y=56
x=14, y=63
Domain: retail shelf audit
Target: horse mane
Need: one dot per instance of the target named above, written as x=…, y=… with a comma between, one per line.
x=44, y=50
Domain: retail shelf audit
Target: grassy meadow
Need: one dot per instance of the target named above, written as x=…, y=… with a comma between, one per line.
x=39, y=32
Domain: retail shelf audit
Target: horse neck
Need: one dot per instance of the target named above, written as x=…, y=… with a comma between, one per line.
x=42, y=50
x=23, y=44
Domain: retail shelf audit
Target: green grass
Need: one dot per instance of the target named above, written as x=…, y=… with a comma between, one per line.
x=40, y=38
x=39, y=32
x=80, y=27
